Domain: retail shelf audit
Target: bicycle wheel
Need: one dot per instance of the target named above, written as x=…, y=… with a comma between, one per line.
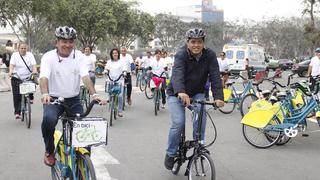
x=148, y=91
x=111, y=109
x=23, y=107
x=229, y=106
x=115, y=107
x=246, y=102
x=124, y=97
x=85, y=169
x=27, y=112
x=138, y=79
x=201, y=167
x=283, y=139
x=211, y=132
x=155, y=102
x=142, y=84
x=261, y=138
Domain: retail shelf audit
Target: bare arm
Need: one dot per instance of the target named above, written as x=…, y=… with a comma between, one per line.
x=44, y=89
x=309, y=70
x=34, y=69
x=11, y=67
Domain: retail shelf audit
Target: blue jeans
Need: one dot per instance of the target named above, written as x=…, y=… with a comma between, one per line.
x=51, y=114
x=120, y=99
x=178, y=119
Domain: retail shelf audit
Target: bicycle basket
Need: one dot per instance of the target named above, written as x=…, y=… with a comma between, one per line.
x=113, y=88
x=90, y=131
x=156, y=82
x=27, y=87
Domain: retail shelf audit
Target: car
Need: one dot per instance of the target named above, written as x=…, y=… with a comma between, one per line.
x=301, y=68
x=272, y=64
x=285, y=64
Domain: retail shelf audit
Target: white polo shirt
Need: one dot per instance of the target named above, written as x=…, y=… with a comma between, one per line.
x=147, y=61
x=116, y=68
x=223, y=65
x=64, y=77
x=20, y=68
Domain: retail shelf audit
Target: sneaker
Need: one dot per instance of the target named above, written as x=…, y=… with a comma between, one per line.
x=17, y=116
x=163, y=106
x=129, y=101
x=120, y=114
x=31, y=101
x=169, y=162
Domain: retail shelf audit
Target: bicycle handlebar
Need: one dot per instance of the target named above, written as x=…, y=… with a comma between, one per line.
x=122, y=75
x=160, y=74
x=60, y=101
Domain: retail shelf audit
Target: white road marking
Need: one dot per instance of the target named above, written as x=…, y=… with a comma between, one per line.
x=100, y=158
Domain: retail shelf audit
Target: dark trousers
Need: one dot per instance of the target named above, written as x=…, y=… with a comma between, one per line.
x=51, y=114
x=313, y=83
x=16, y=95
x=128, y=81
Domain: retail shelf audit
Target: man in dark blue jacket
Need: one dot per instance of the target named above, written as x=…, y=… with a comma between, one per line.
x=192, y=66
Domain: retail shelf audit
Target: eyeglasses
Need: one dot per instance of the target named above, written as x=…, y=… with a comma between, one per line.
x=221, y=54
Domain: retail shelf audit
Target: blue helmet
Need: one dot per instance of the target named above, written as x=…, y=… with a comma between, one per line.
x=317, y=50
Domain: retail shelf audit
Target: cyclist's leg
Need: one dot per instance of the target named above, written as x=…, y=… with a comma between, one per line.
x=16, y=95
x=177, y=112
x=163, y=92
x=49, y=122
x=129, y=87
x=199, y=96
x=75, y=104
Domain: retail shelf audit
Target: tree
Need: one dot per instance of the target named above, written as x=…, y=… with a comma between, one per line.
x=170, y=30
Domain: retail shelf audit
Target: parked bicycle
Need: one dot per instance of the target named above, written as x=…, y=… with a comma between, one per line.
x=234, y=97
x=200, y=164
x=114, y=88
x=72, y=145
x=286, y=121
x=26, y=87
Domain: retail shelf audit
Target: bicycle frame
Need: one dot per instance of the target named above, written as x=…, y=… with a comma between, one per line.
x=248, y=88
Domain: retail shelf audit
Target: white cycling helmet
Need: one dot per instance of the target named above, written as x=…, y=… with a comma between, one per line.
x=65, y=32
x=195, y=33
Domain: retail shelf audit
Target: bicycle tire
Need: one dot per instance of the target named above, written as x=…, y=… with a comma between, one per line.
x=229, y=106
x=283, y=139
x=111, y=110
x=124, y=97
x=85, y=169
x=115, y=107
x=214, y=131
x=138, y=80
x=198, y=171
x=147, y=91
x=270, y=138
x=27, y=112
x=248, y=99
x=23, y=107
x=156, y=103
x=142, y=85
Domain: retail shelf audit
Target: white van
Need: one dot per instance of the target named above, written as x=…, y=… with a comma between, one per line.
x=237, y=54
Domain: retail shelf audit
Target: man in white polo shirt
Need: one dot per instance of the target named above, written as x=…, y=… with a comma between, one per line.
x=127, y=58
x=60, y=73
x=314, y=68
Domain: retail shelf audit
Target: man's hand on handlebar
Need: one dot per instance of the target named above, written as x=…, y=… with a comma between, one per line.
x=219, y=103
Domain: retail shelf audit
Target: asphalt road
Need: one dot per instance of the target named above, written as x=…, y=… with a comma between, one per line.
x=137, y=144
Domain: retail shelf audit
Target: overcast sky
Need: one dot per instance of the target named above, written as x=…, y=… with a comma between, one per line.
x=233, y=9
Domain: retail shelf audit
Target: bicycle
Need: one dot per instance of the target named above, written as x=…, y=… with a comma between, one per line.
x=114, y=89
x=196, y=166
x=232, y=97
x=271, y=126
x=156, y=86
x=26, y=87
x=72, y=145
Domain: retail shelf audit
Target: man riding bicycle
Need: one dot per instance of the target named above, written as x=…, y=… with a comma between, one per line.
x=60, y=73
x=192, y=66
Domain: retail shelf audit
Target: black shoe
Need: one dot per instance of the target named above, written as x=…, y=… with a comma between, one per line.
x=168, y=162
